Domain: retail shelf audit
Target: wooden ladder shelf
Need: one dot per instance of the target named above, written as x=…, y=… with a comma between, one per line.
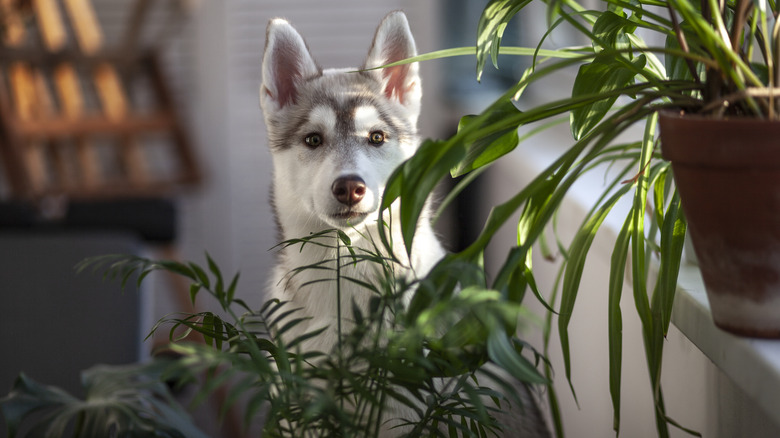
x=68, y=122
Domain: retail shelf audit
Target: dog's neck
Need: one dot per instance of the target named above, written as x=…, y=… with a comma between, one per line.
x=363, y=237
x=314, y=289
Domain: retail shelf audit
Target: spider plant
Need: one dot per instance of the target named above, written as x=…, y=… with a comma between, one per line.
x=714, y=57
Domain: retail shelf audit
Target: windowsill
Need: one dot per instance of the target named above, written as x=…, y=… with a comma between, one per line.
x=753, y=364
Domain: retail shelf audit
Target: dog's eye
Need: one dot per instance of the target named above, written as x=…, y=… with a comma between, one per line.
x=313, y=140
x=376, y=137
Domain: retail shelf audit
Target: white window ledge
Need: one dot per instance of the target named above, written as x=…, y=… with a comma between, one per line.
x=753, y=364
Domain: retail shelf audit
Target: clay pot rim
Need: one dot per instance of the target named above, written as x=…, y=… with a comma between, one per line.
x=707, y=141
x=671, y=113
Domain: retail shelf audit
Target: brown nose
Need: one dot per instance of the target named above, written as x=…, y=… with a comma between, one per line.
x=349, y=190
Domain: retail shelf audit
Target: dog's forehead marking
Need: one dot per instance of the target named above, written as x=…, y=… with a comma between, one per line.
x=366, y=117
x=323, y=115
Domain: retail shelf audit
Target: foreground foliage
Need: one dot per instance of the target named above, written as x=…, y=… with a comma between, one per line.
x=428, y=359
x=129, y=401
x=713, y=58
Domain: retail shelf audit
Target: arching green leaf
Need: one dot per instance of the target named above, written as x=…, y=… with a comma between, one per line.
x=600, y=79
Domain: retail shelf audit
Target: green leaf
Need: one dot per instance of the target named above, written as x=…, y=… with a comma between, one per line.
x=194, y=289
x=208, y=328
x=345, y=239
x=503, y=212
x=130, y=401
x=219, y=285
x=564, y=53
x=503, y=354
x=201, y=275
x=142, y=276
x=574, y=268
x=554, y=10
x=672, y=242
x=638, y=265
x=553, y=174
x=610, y=31
x=218, y=331
x=660, y=188
x=531, y=281
x=487, y=148
x=598, y=80
x=440, y=284
x=652, y=321
x=178, y=268
x=614, y=316
x=416, y=178
x=490, y=29
x=231, y=292
x=679, y=67
x=27, y=397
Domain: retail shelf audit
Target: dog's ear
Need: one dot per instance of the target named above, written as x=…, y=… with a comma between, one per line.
x=286, y=63
x=393, y=42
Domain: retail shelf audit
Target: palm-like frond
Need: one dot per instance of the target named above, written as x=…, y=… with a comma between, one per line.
x=426, y=357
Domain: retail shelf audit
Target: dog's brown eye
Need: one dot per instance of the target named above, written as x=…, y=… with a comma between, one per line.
x=376, y=137
x=313, y=140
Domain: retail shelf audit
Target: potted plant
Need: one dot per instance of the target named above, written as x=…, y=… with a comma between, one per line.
x=715, y=64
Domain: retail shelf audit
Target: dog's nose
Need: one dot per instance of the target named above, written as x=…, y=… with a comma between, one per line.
x=349, y=190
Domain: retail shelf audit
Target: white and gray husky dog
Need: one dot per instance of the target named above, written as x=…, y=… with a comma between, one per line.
x=335, y=137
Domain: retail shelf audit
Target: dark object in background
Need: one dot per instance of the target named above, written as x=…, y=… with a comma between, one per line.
x=54, y=323
x=154, y=220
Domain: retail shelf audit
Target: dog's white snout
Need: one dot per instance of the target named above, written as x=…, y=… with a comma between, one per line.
x=349, y=190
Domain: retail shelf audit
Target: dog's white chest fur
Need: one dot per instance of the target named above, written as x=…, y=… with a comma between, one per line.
x=316, y=292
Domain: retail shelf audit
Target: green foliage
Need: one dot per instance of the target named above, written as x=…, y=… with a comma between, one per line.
x=716, y=58
x=121, y=401
x=426, y=359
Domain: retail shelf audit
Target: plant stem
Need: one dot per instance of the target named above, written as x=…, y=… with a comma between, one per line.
x=683, y=42
x=338, y=321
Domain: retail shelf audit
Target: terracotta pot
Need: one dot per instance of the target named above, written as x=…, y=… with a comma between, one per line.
x=728, y=176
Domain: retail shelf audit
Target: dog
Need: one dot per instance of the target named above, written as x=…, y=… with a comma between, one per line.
x=335, y=136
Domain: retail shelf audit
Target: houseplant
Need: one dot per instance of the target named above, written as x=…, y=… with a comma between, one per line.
x=715, y=60
x=130, y=401
x=428, y=359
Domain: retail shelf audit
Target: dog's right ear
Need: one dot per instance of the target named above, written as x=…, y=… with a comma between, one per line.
x=393, y=42
x=286, y=62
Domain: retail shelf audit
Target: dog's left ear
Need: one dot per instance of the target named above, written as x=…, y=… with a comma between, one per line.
x=393, y=42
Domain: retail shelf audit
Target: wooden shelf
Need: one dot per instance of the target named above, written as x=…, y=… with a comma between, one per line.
x=68, y=124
